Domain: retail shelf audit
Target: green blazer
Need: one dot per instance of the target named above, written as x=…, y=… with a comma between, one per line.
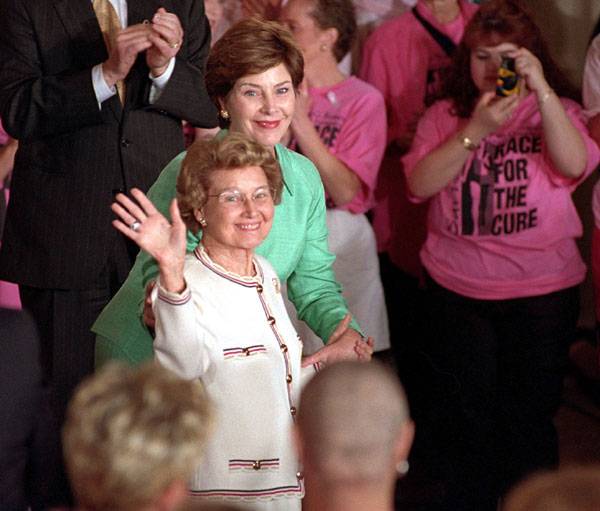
x=296, y=247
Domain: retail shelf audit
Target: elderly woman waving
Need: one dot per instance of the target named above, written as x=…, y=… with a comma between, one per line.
x=220, y=316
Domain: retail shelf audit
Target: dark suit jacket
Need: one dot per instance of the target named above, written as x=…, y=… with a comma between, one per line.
x=71, y=155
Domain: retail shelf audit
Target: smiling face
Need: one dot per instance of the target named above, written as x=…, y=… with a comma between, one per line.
x=234, y=227
x=262, y=105
x=485, y=62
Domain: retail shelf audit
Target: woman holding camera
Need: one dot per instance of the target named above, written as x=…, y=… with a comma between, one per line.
x=501, y=260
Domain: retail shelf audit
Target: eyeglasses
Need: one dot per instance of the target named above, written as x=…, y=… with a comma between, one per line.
x=235, y=198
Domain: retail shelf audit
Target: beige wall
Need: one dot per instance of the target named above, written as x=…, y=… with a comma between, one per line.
x=567, y=26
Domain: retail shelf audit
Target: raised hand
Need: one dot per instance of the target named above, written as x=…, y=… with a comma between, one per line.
x=491, y=112
x=530, y=69
x=164, y=241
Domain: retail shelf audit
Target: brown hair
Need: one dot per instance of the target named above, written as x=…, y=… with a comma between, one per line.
x=338, y=14
x=250, y=46
x=495, y=22
x=206, y=155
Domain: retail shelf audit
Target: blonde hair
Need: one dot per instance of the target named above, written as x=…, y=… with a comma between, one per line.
x=205, y=156
x=349, y=419
x=130, y=433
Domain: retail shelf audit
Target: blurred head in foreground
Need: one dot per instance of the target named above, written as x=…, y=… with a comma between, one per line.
x=132, y=438
x=568, y=489
x=353, y=434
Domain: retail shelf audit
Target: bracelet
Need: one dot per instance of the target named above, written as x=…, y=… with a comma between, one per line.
x=467, y=143
x=545, y=97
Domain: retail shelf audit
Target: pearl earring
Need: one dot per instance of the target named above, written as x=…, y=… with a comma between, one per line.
x=224, y=114
x=402, y=467
x=323, y=47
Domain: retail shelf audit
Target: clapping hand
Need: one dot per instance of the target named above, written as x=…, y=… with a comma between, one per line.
x=166, y=36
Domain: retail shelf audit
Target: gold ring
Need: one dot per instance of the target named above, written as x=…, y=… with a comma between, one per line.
x=174, y=45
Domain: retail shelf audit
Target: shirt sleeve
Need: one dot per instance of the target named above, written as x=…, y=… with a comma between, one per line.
x=181, y=344
x=160, y=82
x=375, y=68
x=576, y=114
x=33, y=102
x=184, y=96
x=312, y=286
x=104, y=92
x=428, y=137
x=361, y=147
x=101, y=89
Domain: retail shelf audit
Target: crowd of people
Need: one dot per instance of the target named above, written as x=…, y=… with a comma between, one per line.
x=206, y=191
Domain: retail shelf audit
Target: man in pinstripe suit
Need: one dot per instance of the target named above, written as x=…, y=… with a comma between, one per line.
x=79, y=145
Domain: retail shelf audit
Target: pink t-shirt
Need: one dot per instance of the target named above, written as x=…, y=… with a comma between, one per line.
x=506, y=226
x=350, y=118
x=404, y=62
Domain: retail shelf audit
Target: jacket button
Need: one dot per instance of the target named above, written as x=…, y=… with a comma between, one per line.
x=299, y=475
x=246, y=351
x=288, y=378
x=124, y=142
x=256, y=465
x=293, y=410
x=284, y=348
x=271, y=320
x=259, y=288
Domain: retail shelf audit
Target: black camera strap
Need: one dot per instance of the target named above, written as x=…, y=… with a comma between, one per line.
x=442, y=39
